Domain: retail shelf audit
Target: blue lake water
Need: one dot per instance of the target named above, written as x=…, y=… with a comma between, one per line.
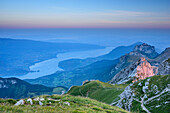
x=50, y=66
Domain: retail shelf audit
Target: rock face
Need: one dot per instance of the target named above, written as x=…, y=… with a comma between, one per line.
x=164, y=68
x=126, y=73
x=146, y=49
x=126, y=94
x=128, y=63
x=143, y=70
x=127, y=66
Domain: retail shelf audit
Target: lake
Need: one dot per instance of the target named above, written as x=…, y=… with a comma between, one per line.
x=50, y=66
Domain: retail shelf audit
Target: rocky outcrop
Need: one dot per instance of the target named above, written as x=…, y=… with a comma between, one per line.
x=164, y=68
x=20, y=102
x=127, y=66
x=126, y=73
x=141, y=69
x=146, y=50
x=6, y=83
x=144, y=70
x=128, y=63
x=127, y=93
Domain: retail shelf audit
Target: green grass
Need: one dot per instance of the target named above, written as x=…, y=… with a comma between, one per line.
x=98, y=90
x=161, y=81
x=168, y=60
x=77, y=105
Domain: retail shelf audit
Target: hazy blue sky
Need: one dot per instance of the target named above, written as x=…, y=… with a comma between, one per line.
x=84, y=13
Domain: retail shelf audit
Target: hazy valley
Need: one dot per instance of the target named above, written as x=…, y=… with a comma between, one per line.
x=109, y=77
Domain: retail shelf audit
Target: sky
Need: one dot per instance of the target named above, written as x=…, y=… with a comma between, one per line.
x=84, y=13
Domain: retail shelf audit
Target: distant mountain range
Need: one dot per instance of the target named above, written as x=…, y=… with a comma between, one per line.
x=16, y=55
x=103, y=70
x=137, y=79
x=16, y=88
x=114, y=54
x=78, y=70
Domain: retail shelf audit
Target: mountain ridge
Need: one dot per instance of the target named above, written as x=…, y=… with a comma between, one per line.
x=112, y=55
x=16, y=55
x=16, y=88
x=131, y=60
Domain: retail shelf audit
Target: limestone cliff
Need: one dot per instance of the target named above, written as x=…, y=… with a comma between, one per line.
x=146, y=50
x=140, y=69
x=144, y=70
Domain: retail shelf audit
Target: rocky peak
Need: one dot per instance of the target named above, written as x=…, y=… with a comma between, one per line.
x=145, y=48
x=140, y=69
x=144, y=70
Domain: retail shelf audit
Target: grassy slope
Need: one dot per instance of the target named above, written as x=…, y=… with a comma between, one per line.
x=77, y=105
x=98, y=90
x=160, y=104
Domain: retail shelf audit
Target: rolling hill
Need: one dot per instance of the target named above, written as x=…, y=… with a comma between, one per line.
x=98, y=90
x=16, y=88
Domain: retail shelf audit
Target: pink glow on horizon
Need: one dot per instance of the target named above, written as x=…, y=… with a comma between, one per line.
x=156, y=26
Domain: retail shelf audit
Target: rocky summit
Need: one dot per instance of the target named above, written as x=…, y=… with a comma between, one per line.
x=140, y=69
x=131, y=64
x=146, y=49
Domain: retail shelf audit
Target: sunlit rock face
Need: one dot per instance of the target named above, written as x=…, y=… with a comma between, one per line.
x=144, y=70
x=140, y=69
x=126, y=69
